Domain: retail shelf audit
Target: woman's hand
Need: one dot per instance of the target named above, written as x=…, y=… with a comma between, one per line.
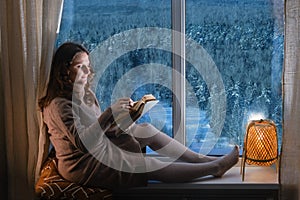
x=122, y=105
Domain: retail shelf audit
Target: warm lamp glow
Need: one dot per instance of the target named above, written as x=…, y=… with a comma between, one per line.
x=256, y=116
x=260, y=144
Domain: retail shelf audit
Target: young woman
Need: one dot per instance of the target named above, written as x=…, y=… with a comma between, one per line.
x=88, y=148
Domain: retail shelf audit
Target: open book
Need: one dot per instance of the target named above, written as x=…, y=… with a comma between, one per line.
x=139, y=108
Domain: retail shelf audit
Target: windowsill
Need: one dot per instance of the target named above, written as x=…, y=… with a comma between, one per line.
x=259, y=183
x=256, y=177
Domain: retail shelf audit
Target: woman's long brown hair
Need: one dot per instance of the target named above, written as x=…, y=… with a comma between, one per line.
x=59, y=83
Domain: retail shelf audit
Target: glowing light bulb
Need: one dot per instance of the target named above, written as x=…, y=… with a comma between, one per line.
x=256, y=116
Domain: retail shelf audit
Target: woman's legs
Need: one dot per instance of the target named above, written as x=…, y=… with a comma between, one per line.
x=148, y=135
x=183, y=172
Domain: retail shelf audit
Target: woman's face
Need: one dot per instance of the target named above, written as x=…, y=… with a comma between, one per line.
x=80, y=68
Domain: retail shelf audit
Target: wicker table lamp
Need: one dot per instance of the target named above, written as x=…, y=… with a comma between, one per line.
x=260, y=144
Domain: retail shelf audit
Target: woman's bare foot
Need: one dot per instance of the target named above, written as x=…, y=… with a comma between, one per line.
x=226, y=162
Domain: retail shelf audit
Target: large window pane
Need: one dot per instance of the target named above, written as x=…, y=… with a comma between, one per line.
x=244, y=38
x=94, y=22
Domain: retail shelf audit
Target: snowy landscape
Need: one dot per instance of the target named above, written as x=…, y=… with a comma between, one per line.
x=244, y=39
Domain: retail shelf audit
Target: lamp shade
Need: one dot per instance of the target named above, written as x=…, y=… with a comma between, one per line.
x=260, y=144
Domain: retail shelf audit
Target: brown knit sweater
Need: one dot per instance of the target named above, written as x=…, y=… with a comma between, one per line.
x=87, y=152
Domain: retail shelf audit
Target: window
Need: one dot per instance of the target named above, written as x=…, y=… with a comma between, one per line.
x=221, y=66
x=245, y=40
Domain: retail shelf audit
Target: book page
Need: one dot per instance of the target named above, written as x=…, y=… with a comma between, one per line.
x=148, y=106
x=125, y=119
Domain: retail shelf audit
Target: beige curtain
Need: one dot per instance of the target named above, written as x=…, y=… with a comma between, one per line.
x=290, y=164
x=28, y=29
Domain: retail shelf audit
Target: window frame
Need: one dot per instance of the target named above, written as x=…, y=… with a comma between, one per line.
x=178, y=62
x=178, y=25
